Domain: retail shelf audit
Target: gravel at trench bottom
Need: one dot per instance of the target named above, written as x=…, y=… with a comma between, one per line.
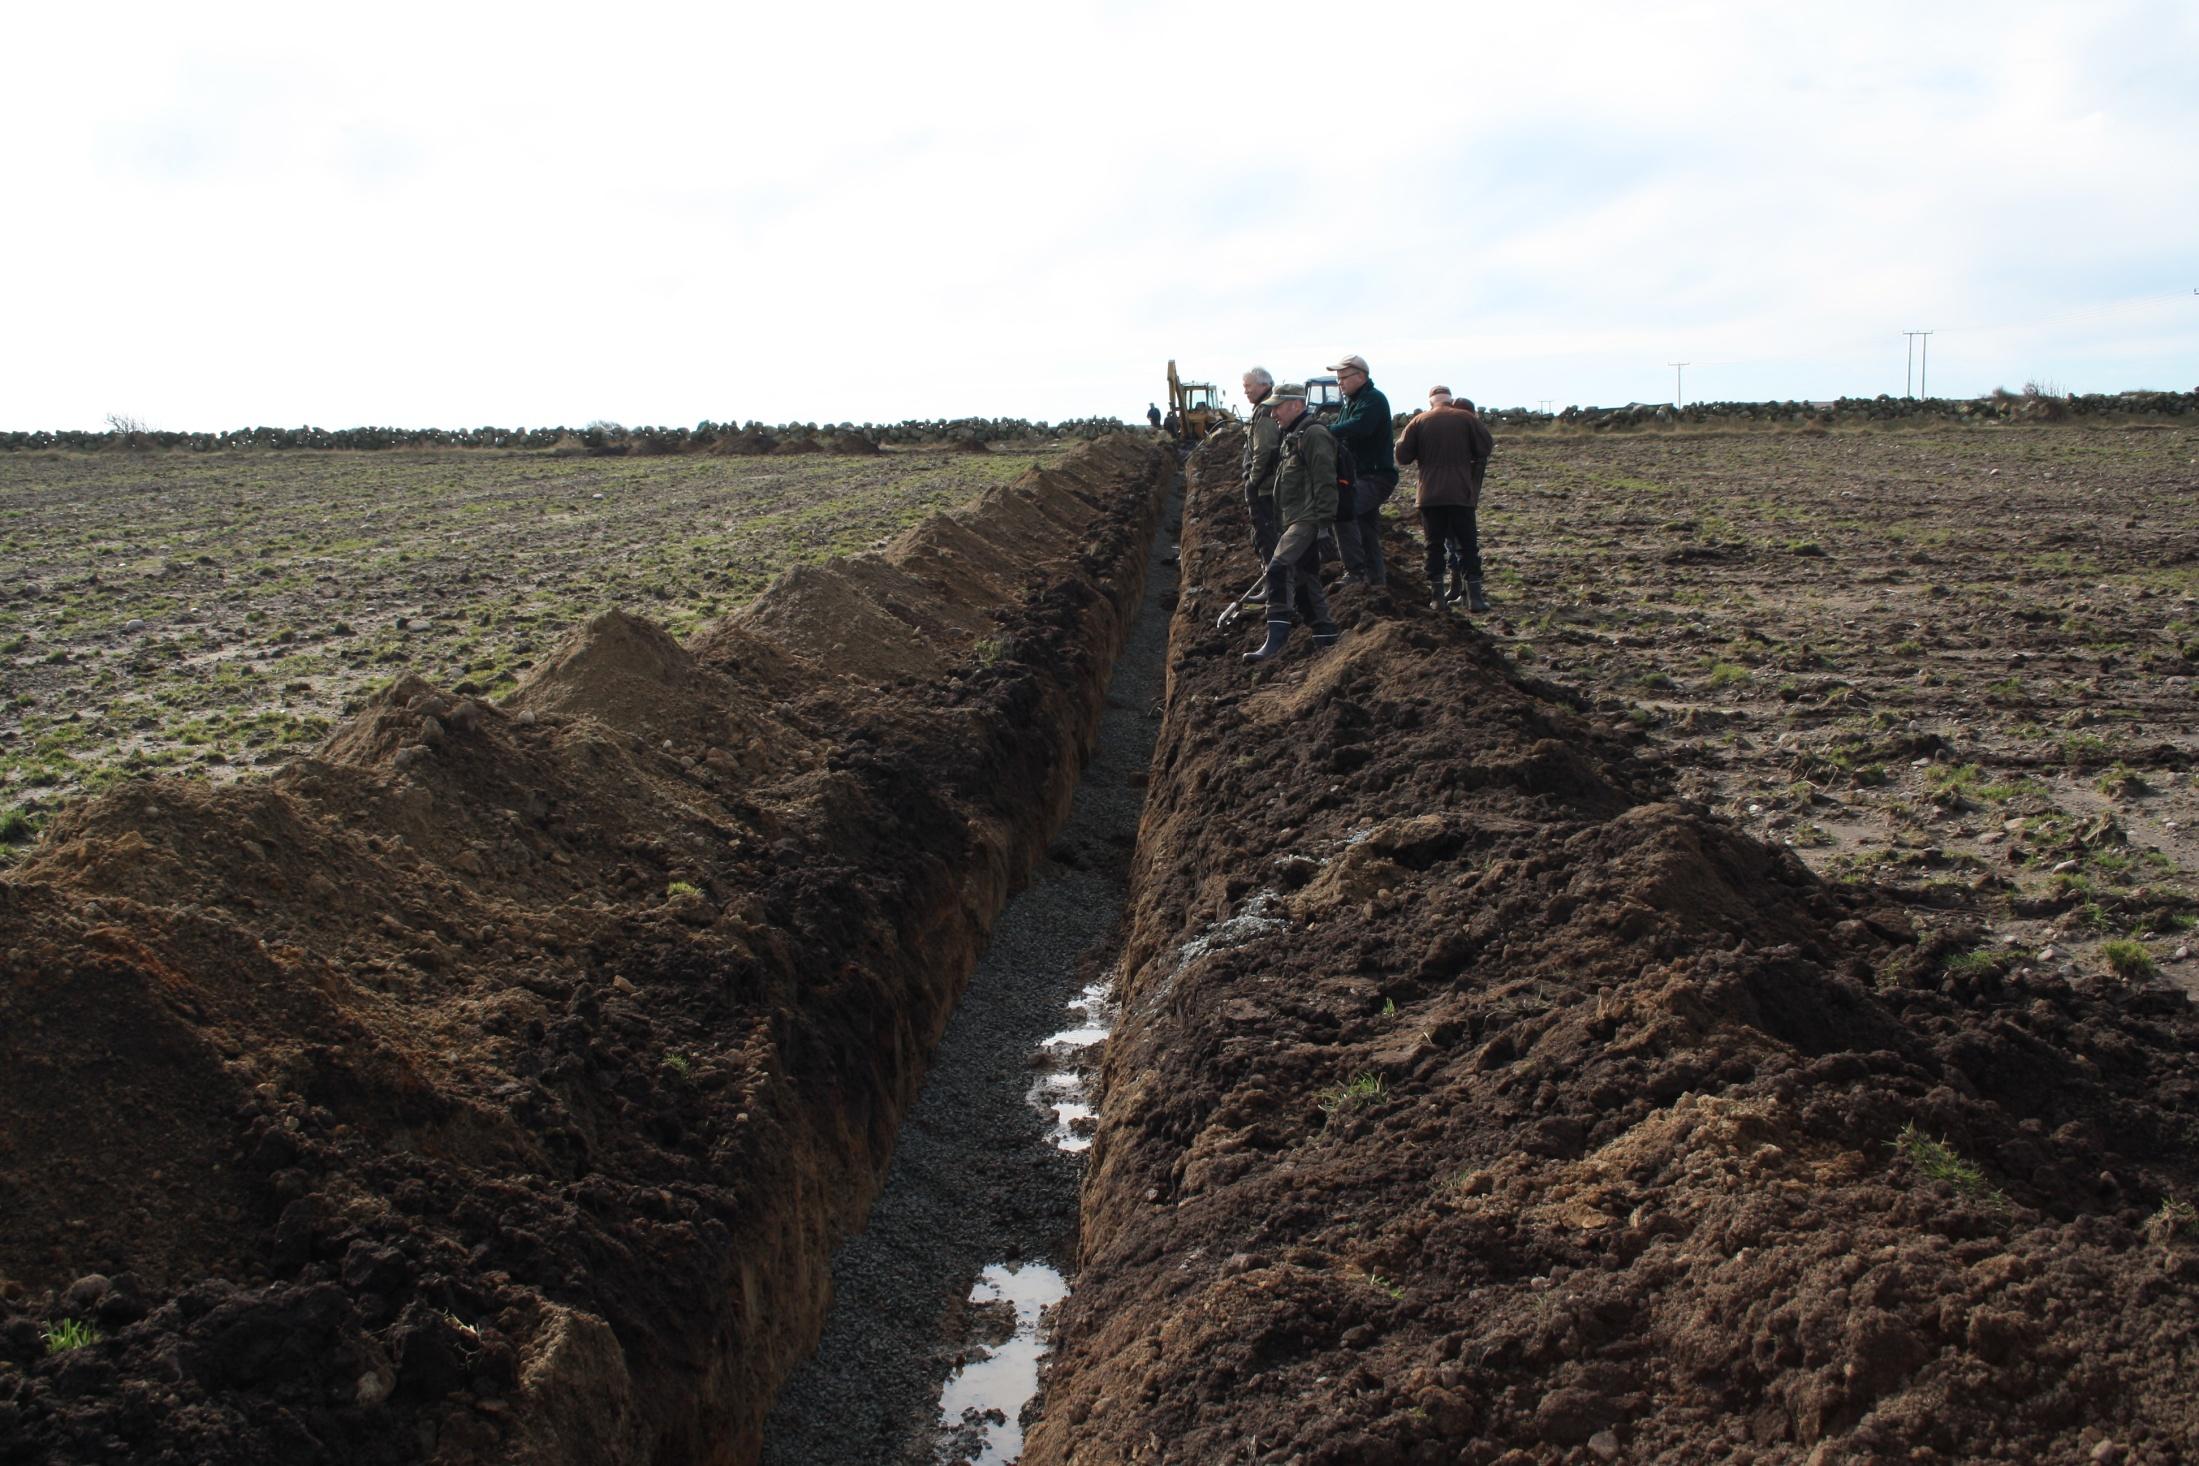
x=974, y=1180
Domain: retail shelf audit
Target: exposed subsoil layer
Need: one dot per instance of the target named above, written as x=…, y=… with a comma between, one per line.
x=975, y=1180
x=1476, y=1099
x=493, y=1085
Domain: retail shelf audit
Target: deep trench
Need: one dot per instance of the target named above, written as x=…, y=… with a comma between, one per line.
x=981, y=1193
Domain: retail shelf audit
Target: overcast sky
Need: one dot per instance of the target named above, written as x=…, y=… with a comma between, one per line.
x=458, y=214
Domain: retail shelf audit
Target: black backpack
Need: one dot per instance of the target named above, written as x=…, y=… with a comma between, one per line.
x=1347, y=474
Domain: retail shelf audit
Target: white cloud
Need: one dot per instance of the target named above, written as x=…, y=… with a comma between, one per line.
x=462, y=214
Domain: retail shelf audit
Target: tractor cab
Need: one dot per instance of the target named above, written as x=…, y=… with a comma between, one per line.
x=1324, y=397
x=1195, y=408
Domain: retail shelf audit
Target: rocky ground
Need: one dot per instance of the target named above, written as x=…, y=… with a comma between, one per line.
x=1494, y=1085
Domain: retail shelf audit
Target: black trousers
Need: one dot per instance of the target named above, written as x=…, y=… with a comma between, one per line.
x=1359, y=533
x=1452, y=527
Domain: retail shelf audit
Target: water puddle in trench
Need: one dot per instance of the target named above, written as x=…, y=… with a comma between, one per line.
x=1062, y=1093
x=938, y=1329
x=980, y=1410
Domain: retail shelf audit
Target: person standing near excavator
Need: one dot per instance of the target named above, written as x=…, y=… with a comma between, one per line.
x=1364, y=427
x=1305, y=499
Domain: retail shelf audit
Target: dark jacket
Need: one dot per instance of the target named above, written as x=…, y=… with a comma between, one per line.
x=1451, y=446
x=1263, y=442
x=1364, y=425
x=1305, y=474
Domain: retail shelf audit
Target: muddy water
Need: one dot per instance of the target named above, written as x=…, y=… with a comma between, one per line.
x=940, y=1304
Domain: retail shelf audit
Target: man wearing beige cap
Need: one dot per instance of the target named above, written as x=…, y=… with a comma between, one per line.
x=1364, y=427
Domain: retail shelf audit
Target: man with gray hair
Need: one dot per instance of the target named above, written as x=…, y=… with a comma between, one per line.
x=1263, y=440
x=1305, y=500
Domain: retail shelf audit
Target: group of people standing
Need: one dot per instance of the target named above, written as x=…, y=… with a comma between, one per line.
x=1295, y=492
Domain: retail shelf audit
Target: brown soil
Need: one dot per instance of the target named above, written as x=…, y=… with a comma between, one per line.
x=1480, y=1097
x=494, y=1084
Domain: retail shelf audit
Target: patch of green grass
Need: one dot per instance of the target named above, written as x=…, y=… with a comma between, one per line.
x=1936, y=1160
x=678, y=889
x=1975, y=963
x=1344, y=1098
x=68, y=1334
x=1727, y=674
x=679, y=1063
x=2127, y=959
x=17, y=828
x=2082, y=748
x=2121, y=782
x=1385, y=1287
x=1951, y=783
x=2177, y=1218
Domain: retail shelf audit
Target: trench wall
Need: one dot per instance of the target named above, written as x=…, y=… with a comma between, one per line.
x=1472, y=1100
x=495, y=1084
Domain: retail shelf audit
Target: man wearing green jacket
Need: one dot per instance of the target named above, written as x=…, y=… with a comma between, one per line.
x=1305, y=499
x=1364, y=427
x=1262, y=441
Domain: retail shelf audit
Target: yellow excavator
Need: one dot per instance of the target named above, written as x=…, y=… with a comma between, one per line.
x=1194, y=408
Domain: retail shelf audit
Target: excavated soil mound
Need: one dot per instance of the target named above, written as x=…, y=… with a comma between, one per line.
x=493, y=1085
x=1473, y=1100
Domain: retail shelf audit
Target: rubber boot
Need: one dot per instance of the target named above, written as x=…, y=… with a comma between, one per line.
x=1325, y=634
x=1278, y=633
x=1475, y=601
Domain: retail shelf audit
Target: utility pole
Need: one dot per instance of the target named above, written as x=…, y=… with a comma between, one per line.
x=1547, y=400
x=1908, y=371
x=1678, y=398
x=1924, y=368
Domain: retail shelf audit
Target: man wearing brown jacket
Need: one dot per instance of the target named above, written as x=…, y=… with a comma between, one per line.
x=1451, y=447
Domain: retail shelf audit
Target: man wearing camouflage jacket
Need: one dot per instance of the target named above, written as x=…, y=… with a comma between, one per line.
x=1305, y=499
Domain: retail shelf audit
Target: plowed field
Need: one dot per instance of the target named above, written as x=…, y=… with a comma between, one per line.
x=209, y=614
